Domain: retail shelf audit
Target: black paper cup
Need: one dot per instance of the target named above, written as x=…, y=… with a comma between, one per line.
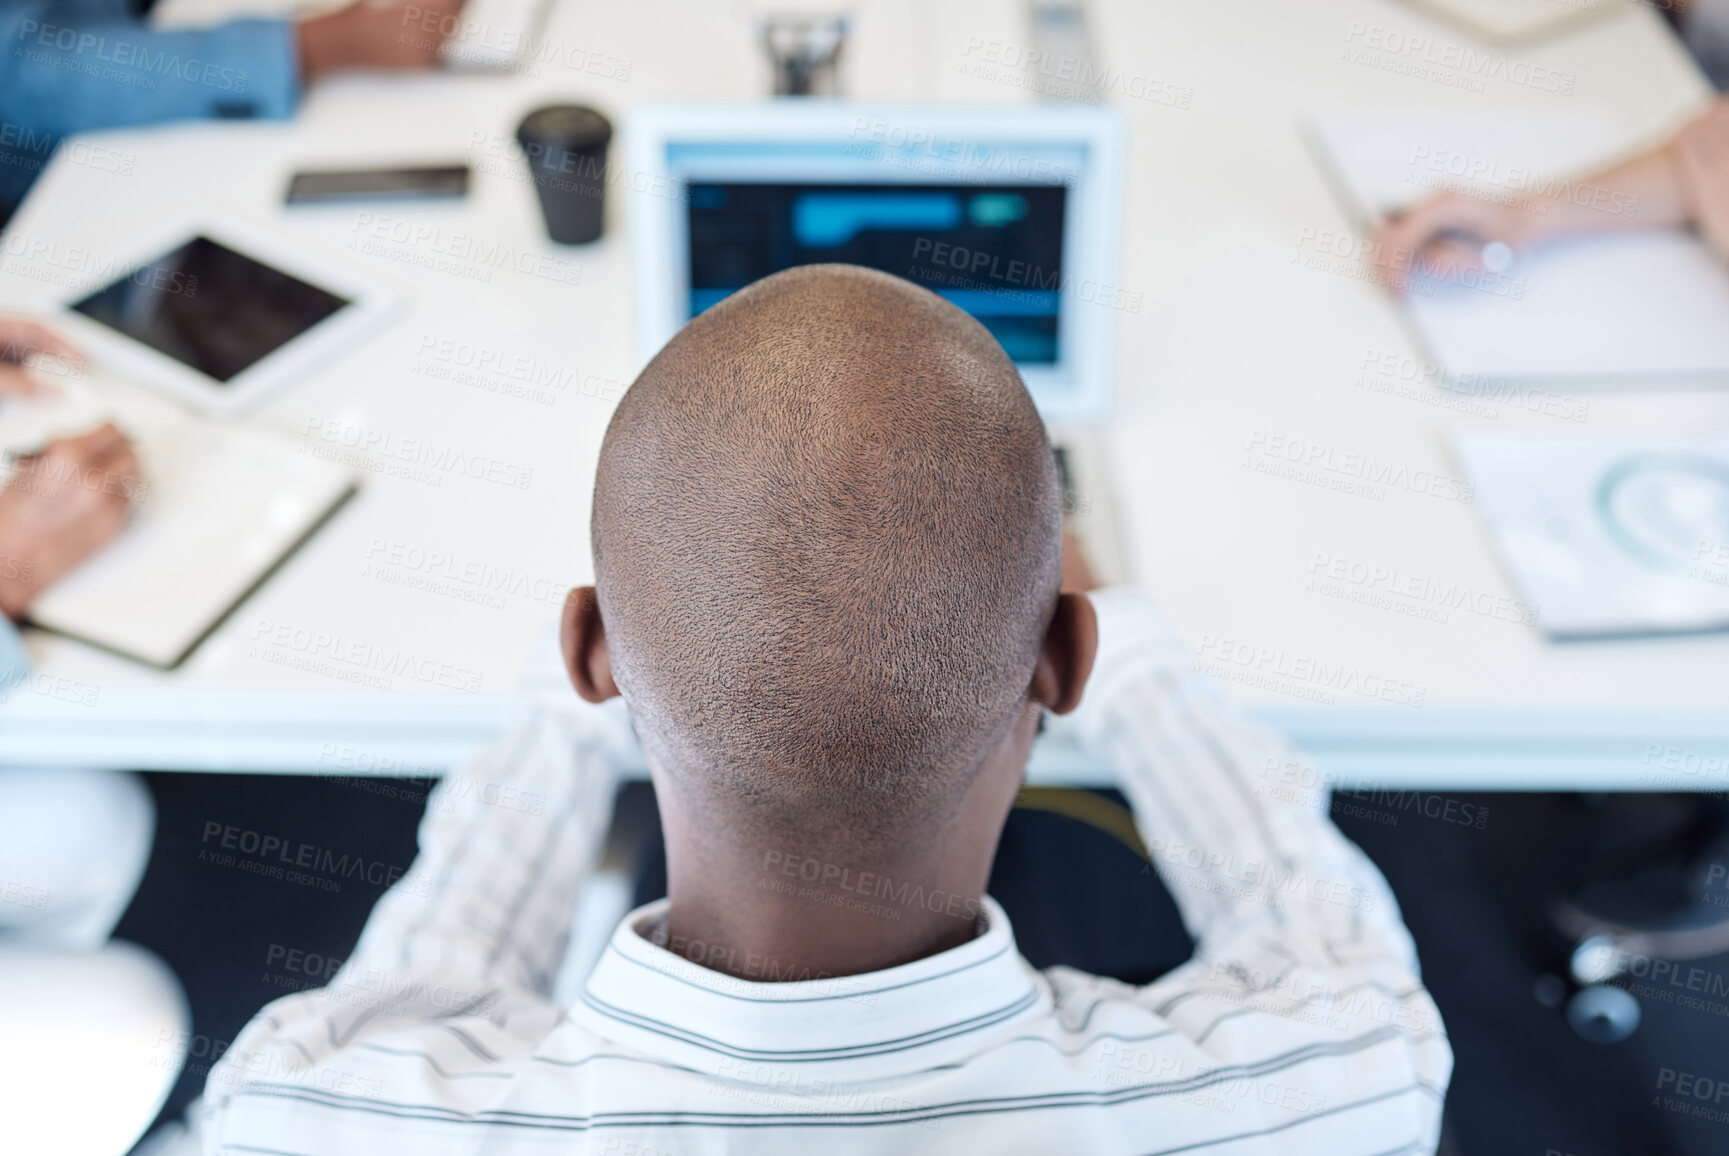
x=565, y=145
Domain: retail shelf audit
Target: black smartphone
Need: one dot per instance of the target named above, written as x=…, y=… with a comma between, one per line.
x=329, y=186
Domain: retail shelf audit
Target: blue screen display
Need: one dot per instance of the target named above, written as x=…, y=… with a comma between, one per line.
x=995, y=251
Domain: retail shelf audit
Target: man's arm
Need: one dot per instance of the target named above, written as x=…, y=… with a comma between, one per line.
x=60, y=507
x=76, y=66
x=1684, y=181
x=458, y=959
x=1299, y=940
x=1701, y=158
x=82, y=65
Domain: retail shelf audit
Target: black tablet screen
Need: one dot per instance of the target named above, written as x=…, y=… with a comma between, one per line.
x=210, y=307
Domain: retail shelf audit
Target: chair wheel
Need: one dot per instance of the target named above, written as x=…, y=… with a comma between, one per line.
x=1603, y=1014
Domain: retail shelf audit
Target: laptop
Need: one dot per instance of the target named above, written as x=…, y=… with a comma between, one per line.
x=1013, y=213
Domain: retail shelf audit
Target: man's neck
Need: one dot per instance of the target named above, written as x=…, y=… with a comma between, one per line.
x=779, y=914
x=802, y=902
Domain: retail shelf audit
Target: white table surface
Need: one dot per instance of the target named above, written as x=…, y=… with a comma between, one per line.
x=1234, y=339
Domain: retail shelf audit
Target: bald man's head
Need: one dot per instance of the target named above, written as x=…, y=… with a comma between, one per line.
x=826, y=539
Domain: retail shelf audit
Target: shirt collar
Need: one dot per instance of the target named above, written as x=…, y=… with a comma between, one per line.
x=935, y=1010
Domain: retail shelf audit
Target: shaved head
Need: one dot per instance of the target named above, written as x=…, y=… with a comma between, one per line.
x=827, y=547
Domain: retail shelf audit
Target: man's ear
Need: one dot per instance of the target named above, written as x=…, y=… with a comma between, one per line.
x=582, y=639
x=1066, y=658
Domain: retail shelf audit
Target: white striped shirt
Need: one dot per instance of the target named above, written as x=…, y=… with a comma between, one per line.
x=1298, y=1026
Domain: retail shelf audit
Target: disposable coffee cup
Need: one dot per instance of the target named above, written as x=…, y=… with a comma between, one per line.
x=565, y=145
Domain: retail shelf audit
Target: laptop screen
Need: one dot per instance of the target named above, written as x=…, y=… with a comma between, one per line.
x=993, y=250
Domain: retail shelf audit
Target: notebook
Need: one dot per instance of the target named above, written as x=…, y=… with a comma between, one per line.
x=223, y=505
x=1648, y=307
x=1609, y=535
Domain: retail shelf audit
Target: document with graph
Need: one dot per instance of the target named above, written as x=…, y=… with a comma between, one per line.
x=1609, y=535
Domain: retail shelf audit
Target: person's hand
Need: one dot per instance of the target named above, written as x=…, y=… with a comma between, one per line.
x=373, y=35
x=1701, y=153
x=60, y=507
x=1432, y=236
x=1078, y=575
x=21, y=340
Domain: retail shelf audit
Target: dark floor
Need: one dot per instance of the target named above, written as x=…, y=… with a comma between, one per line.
x=1473, y=893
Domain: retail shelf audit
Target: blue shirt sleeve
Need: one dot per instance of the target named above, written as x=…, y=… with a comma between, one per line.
x=71, y=66
x=80, y=65
x=14, y=663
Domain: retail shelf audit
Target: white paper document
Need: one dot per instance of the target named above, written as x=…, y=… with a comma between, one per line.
x=1609, y=535
x=1639, y=308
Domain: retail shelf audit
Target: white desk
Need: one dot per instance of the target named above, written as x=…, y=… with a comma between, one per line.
x=1234, y=338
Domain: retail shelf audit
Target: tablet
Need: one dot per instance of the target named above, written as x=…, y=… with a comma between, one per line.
x=220, y=317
